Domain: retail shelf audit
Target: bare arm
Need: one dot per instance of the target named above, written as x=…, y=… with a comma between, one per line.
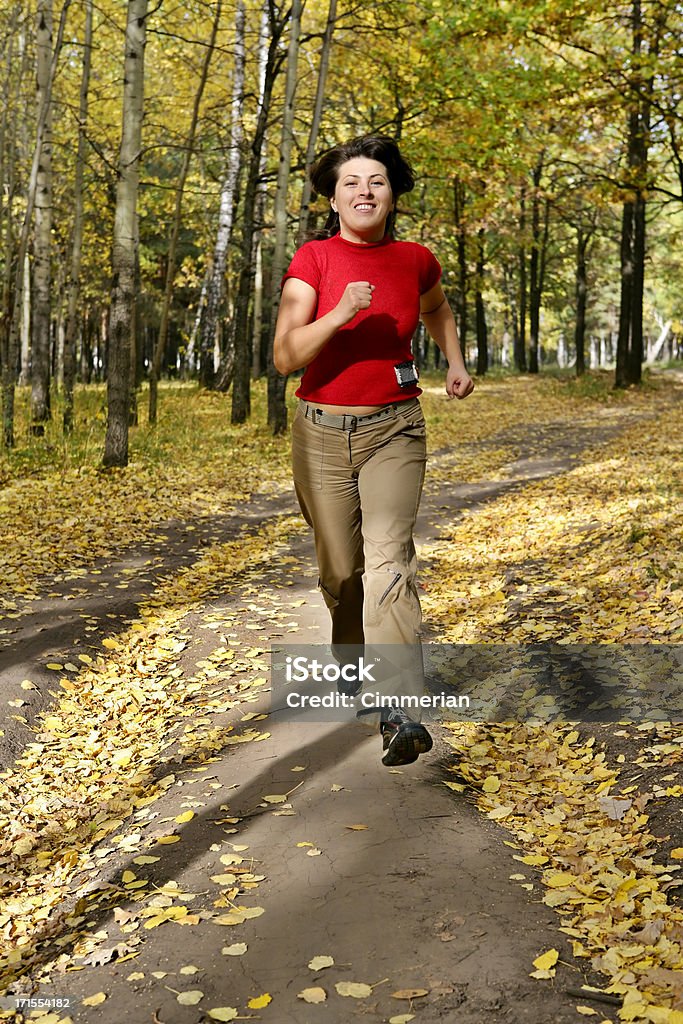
x=299, y=338
x=438, y=318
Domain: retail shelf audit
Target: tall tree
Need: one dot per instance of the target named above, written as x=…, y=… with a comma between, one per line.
x=241, y=394
x=123, y=250
x=171, y=258
x=73, y=286
x=208, y=321
x=42, y=239
x=11, y=345
x=316, y=119
x=277, y=409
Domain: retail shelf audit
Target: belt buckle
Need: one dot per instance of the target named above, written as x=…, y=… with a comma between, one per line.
x=353, y=422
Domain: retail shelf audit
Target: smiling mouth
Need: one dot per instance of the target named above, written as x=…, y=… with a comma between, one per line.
x=364, y=206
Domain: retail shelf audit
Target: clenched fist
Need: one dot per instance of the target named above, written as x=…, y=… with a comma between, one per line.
x=357, y=295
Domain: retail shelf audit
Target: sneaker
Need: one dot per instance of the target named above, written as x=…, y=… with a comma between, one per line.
x=403, y=740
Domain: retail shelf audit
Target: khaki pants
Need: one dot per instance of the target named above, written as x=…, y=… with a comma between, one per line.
x=360, y=489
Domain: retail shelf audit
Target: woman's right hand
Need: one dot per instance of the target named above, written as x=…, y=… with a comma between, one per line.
x=357, y=295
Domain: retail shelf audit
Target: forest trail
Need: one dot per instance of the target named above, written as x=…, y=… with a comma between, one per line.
x=310, y=846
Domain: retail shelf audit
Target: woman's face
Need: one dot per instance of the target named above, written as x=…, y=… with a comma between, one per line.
x=363, y=199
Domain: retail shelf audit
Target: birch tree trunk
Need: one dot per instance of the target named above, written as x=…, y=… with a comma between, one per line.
x=241, y=397
x=208, y=324
x=171, y=259
x=535, y=269
x=42, y=237
x=316, y=119
x=72, y=317
x=123, y=250
x=277, y=383
x=11, y=346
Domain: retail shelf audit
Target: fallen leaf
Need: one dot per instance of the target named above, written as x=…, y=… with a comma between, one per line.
x=312, y=995
x=410, y=993
x=318, y=963
x=190, y=998
x=237, y=949
x=546, y=960
x=355, y=989
x=95, y=1000
x=223, y=1013
x=183, y=818
x=356, y=828
x=258, y=1002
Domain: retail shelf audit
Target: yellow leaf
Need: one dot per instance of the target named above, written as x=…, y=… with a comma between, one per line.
x=546, y=960
x=356, y=828
x=95, y=1000
x=355, y=989
x=402, y=1018
x=189, y=969
x=491, y=784
x=110, y=644
x=457, y=787
x=275, y=798
x=534, y=859
x=128, y=876
x=237, y=949
x=677, y=854
x=258, y=1002
x=410, y=993
x=223, y=1013
x=315, y=852
x=54, y=666
x=587, y=1011
x=560, y=879
x=312, y=995
x=190, y=998
x=135, y=976
x=28, y=685
x=168, y=840
x=318, y=963
x=187, y=816
x=146, y=860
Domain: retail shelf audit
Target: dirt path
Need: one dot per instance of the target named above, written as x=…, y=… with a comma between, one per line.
x=419, y=897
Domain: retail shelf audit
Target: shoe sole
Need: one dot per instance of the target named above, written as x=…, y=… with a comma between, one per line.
x=406, y=745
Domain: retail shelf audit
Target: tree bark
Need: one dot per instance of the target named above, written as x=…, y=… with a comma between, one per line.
x=535, y=269
x=9, y=368
x=42, y=235
x=582, y=240
x=123, y=251
x=482, y=332
x=241, y=397
x=171, y=259
x=73, y=287
x=459, y=202
x=304, y=210
x=277, y=383
x=520, y=333
x=208, y=323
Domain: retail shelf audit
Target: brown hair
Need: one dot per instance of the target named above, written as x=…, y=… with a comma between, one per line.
x=325, y=172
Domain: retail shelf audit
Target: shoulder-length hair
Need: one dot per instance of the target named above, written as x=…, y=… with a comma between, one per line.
x=325, y=172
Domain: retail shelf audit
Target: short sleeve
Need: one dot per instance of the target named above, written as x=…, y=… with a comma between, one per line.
x=429, y=269
x=305, y=267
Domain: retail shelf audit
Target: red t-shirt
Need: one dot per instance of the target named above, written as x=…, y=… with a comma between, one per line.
x=356, y=367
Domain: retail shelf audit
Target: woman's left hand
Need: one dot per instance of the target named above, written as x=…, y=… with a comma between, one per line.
x=459, y=384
